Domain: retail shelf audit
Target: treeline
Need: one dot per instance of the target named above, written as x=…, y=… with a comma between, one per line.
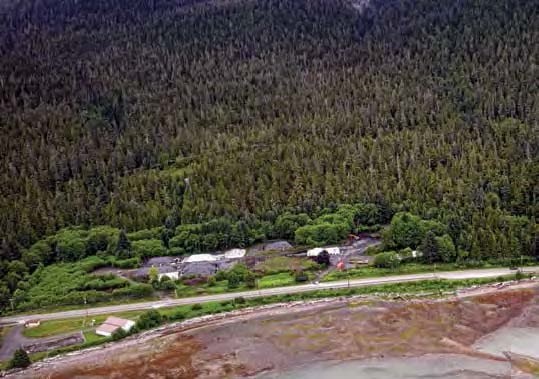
x=452, y=239
x=441, y=236
x=144, y=114
x=115, y=247
x=56, y=270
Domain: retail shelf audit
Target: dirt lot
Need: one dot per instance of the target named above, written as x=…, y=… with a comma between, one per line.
x=287, y=337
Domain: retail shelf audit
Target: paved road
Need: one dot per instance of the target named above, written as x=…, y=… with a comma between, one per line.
x=465, y=274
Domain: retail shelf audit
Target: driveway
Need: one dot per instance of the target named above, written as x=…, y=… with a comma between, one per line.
x=14, y=339
x=355, y=249
x=11, y=342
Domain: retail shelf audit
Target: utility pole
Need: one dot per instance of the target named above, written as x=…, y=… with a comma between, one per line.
x=86, y=314
x=11, y=301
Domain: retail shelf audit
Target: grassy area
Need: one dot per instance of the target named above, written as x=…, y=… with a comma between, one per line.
x=282, y=278
x=54, y=327
x=92, y=338
x=409, y=268
x=60, y=308
x=206, y=289
x=73, y=284
x=280, y=264
x=276, y=280
x=370, y=271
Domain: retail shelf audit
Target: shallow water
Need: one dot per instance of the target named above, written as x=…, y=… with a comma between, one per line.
x=429, y=366
x=517, y=340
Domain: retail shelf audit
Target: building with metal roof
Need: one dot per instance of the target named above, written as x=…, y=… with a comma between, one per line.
x=112, y=324
x=235, y=253
x=317, y=250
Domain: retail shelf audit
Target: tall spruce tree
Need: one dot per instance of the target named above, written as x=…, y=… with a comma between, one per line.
x=429, y=248
x=20, y=359
x=123, y=248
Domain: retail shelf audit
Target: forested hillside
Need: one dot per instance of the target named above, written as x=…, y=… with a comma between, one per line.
x=157, y=113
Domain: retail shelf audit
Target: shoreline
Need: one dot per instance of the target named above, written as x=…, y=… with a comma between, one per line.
x=200, y=325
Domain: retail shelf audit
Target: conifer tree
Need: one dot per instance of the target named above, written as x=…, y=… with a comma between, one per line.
x=20, y=359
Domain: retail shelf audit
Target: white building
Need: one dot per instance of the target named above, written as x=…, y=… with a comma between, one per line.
x=112, y=324
x=200, y=258
x=317, y=250
x=174, y=275
x=32, y=323
x=235, y=253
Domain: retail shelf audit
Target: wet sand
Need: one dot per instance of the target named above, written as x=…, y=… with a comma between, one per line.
x=446, y=366
x=281, y=339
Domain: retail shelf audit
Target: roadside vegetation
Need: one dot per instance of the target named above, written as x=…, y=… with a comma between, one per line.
x=417, y=268
x=20, y=359
x=150, y=319
x=72, y=284
x=409, y=244
x=74, y=253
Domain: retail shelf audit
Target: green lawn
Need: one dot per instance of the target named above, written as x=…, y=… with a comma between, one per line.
x=54, y=327
x=285, y=264
x=205, y=289
x=409, y=268
x=92, y=338
x=370, y=271
x=276, y=280
x=267, y=281
x=219, y=287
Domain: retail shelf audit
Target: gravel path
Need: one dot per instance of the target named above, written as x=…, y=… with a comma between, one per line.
x=14, y=339
x=11, y=342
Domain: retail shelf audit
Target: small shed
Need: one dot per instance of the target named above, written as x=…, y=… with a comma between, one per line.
x=32, y=323
x=361, y=260
x=112, y=324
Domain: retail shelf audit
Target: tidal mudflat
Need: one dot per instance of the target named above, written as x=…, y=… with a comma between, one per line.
x=384, y=338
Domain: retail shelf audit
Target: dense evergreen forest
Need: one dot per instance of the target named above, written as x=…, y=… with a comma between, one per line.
x=146, y=114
